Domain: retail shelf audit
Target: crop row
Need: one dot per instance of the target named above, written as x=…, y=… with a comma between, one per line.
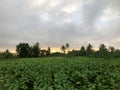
x=59, y=75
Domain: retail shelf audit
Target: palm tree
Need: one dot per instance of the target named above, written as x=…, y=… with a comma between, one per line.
x=67, y=46
x=63, y=48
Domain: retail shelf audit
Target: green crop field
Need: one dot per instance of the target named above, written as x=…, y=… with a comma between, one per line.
x=60, y=73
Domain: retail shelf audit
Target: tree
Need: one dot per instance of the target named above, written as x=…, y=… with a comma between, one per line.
x=8, y=54
x=111, y=52
x=63, y=48
x=35, y=50
x=111, y=49
x=117, y=53
x=67, y=46
x=48, y=51
x=23, y=49
x=102, y=48
x=56, y=54
x=89, y=50
x=82, y=51
x=43, y=52
x=103, y=52
x=74, y=53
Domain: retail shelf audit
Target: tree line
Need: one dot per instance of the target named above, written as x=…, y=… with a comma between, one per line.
x=102, y=52
x=24, y=50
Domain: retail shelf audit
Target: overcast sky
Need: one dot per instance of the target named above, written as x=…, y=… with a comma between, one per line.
x=56, y=22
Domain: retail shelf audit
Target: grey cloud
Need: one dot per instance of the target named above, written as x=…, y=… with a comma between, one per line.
x=92, y=10
x=20, y=21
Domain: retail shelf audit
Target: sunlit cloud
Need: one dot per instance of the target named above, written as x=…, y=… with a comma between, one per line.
x=38, y=3
x=70, y=9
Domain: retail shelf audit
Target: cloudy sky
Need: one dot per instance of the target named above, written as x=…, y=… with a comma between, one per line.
x=56, y=22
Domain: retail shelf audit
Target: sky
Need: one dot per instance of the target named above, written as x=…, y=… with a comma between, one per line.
x=56, y=22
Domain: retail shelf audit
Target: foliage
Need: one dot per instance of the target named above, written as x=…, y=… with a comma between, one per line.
x=7, y=54
x=89, y=50
x=82, y=51
x=103, y=52
x=73, y=53
x=23, y=50
x=56, y=54
x=35, y=50
x=43, y=53
x=65, y=48
x=60, y=74
x=48, y=53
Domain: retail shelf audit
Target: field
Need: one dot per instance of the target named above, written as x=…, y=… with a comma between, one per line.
x=60, y=73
